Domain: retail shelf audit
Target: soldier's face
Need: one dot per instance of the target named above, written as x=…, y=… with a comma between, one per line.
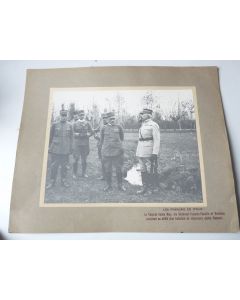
x=145, y=117
x=81, y=117
x=75, y=117
x=112, y=121
x=105, y=121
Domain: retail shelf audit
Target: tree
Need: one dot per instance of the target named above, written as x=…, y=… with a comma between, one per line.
x=71, y=111
x=95, y=115
x=119, y=101
x=148, y=100
x=177, y=114
x=109, y=104
x=189, y=109
x=158, y=114
x=188, y=106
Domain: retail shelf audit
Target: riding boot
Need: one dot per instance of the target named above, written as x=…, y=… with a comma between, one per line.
x=145, y=183
x=120, y=181
x=84, y=168
x=75, y=169
x=150, y=183
x=102, y=177
x=108, y=186
x=64, y=174
x=155, y=182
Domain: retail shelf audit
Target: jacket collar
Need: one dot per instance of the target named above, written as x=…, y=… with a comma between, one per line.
x=146, y=121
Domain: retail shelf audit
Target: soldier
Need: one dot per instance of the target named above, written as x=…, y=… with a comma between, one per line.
x=61, y=137
x=75, y=116
x=99, y=146
x=148, y=149
x=111, y=138
x=82, y=131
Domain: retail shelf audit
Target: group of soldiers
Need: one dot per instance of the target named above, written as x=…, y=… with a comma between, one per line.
x=68, y=138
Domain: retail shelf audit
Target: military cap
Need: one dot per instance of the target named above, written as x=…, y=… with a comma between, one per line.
x=63, y=112
x=81, y=112
x=147, y=111
x=110, y=115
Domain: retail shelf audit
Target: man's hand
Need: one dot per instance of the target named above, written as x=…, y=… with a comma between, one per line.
x=154, y=157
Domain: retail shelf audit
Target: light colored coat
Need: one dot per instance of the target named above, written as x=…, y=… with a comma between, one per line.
x=148, y=129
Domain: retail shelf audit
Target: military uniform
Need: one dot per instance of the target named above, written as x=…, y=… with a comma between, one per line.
x=147, y=150
x=112, y=152
x=97, y=133
x=82, y=131
x=61, y=136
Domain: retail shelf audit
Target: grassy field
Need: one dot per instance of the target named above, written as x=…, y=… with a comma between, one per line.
x=178, y=150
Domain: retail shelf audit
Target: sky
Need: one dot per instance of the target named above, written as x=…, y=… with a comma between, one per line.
x=105, y=99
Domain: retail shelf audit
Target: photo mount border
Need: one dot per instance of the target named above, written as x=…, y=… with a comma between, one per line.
x=42, y=203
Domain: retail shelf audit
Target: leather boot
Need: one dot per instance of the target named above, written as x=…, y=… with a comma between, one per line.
x=103, y=172
x=120, y=182
x=108, y=177
x=155, y=183
x=84, y=168
x=145, y=183
x=75, y=169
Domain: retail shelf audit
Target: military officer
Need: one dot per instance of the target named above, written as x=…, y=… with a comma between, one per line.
x=82, y=131
x=61, y=137
x=75, y=116
x=148, y=149
x=99, y=146
x=111, y=138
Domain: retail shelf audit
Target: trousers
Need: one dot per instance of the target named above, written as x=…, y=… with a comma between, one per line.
x=145, y=164
x=80, y=151
x=59, y=160
x=110, y=161
x=101, y=160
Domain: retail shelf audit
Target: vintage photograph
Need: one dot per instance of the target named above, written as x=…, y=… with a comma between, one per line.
x=123, y=145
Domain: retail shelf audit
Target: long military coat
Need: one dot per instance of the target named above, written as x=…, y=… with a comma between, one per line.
x=61, y=138
x=82, y=130
x=111, y=138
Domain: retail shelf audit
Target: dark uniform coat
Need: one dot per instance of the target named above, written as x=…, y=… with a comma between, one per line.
x=111, y=140
x=61, y=138
x=82, y=131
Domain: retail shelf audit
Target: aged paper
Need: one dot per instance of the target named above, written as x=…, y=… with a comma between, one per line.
x=176, y=207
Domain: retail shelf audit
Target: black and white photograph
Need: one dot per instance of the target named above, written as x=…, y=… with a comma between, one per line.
x=123, y=145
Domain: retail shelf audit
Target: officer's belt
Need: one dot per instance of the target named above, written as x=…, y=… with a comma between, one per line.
x=146, y=139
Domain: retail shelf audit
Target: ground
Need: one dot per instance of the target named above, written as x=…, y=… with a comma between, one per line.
x=178, y=151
